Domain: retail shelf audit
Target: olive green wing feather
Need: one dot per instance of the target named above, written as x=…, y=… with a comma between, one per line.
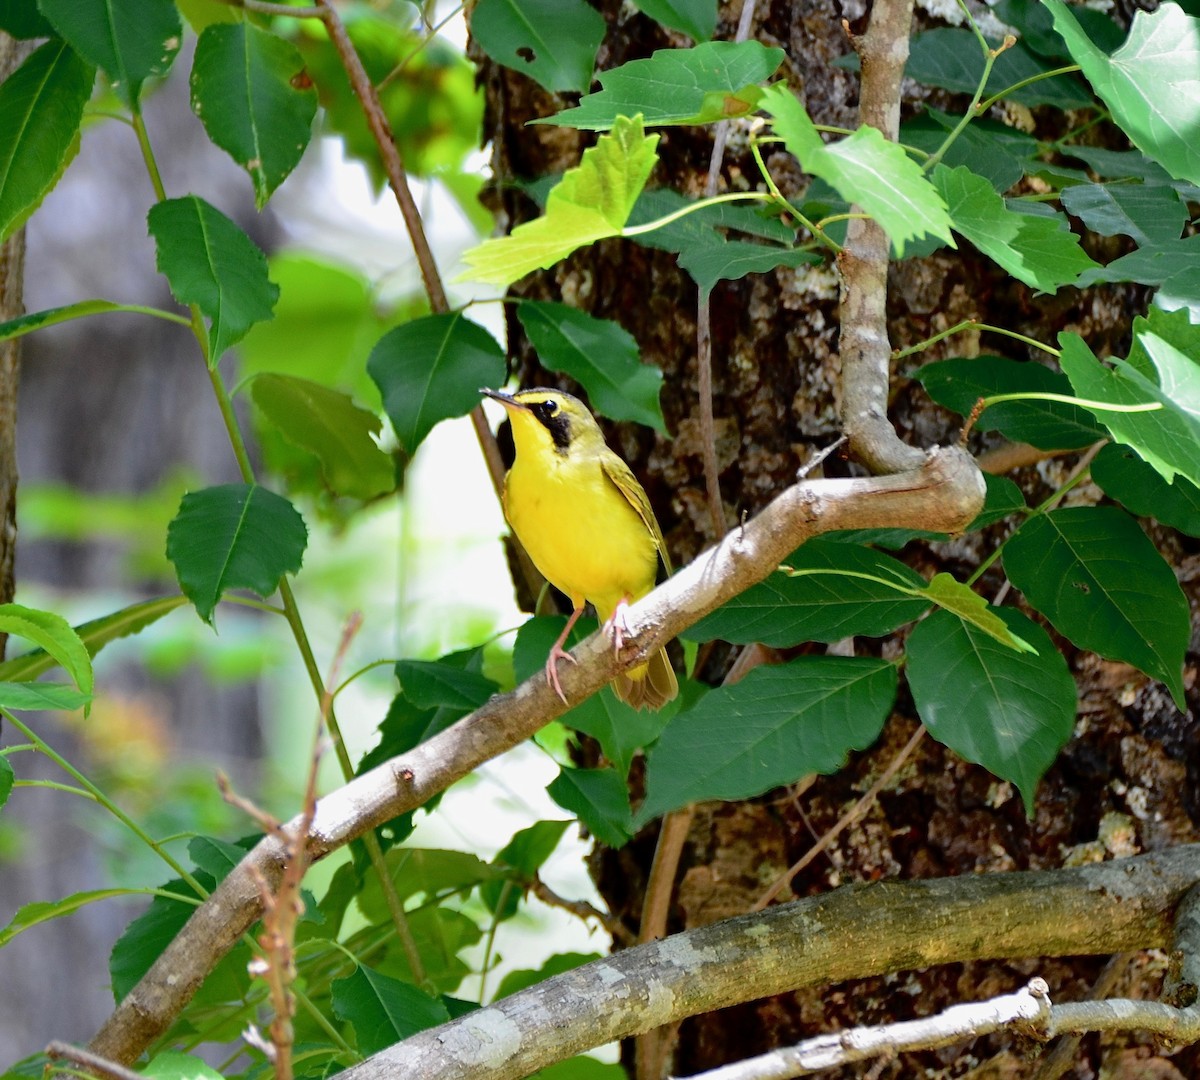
x=621, y=475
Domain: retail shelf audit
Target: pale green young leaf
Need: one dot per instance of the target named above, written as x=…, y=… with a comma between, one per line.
x=27, y=324
x=701, y=85
x=600, y=355
x=554, y=42
x=1009, y=711
x=41, y=107
x=697, y=18
x=210, y=262
x=172, y=1065
x=776, y=725
x=328, y=424
x=967, y=605
x=590, y=203
x=41, y=696
x=246, y=92
x=431, y=369
x=865, y=169
x=234, y=536
x=1151, y=84
x=1094, y=574
x=1167, y=437
x=34, y=914
x=1040, y=251
x=55, y=635
x=131, y=40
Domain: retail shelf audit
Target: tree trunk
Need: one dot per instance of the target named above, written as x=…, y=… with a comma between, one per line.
x=1126, y=782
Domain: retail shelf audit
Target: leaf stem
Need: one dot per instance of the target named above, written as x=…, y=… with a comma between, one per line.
x=699, y=204
x=972, y=324
x=54, y=785
x=143, y=138
x=974, y=109
x=1066, y=399
x=984, y=106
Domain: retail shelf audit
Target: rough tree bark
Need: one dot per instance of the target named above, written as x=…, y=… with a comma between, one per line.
x=1126, y=782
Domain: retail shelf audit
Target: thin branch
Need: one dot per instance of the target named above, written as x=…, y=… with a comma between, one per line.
x=94, y=1063
x=583, y=910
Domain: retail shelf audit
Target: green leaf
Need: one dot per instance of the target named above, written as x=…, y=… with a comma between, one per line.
x=959, y=383
x=619, y=729
x=41, y=106
x=203, y=13
x=8, y=779
x=524, y=978
x=1150, y=213
x=1150, y=84
x=427, y=872
x=211, y=263
x=590, y=203
x=836, y=590
x=432, y=684
x=1009, y=711
x=1124, y=476
x=27, y=324
x=736, y=258
x=441, y=935
x=1151, y=266
x=235, y=536
x=40, y=696
x=246, y=91
x=599, y=798
x=554, y=42
x=431, y=369
x=53, y=634
x=175, y=1066
x=1093, y=573
x=22, y=20
x=1037, y=27
x=600, y=355
x=328, y=424
x=31, y=915
x=990, y=149
x=1168, y=438
x=382, y=1009
x=518, y=863
x=1004, y=499
x=95, y=634
x=971, y=608
x=131, y=40
x=952, y=59
x=865, y=169
x=704, y=226
x=713, y=81
x=696, y=18
x=771, y=728
x=1040, y=251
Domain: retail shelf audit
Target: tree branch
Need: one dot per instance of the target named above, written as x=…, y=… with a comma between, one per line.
x=944, y=494
x=854, y=932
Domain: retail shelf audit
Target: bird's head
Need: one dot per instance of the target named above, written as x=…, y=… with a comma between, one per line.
x=545, y=419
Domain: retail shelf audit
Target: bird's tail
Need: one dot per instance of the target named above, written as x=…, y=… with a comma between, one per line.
x=648, y=686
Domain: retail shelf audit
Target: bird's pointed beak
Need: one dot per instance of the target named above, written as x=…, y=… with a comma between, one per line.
x=505, y=399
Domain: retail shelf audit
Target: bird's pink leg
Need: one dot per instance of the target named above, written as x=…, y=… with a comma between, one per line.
x=557, y=653
x=616, y=626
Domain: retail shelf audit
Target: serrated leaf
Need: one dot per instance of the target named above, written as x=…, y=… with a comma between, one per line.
x=554, y=42
x=600, y=355
x=599, y=798
x=431, y=369
x=1151, y=84
x=383, y=1009
x=328, y=424
x=441, y=935
x=1093, y=573
x=30, y=915
x=41, y=106
x=8, y=779
x=960, y=382
x=994, y=151
x=771, y=728
x=176, y=1066
x=53, y=634
x=22, y=20
x=210, y=262
x=27, y=324
x=1150, y=213
x=969, y=607
x=952, y=59
x=428, y=872
x=697, y=18
x=590, y=203
x=1169, y=437
x=247, y=91
x=235, y=536
x=736, y=258
x=131, y=40
x=619, y=729
x=865, y=169
x=1009, y=711
x=95, y=634
x=432, y=684
x=1040, y=251
x=835, y=590
x=1151, y=266
x=41, y=696
x=713, y=81
x=1138, y=486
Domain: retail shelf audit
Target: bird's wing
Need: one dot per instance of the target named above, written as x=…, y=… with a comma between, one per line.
x=621, y=475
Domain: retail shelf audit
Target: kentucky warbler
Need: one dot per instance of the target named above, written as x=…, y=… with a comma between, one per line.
x=587, y=525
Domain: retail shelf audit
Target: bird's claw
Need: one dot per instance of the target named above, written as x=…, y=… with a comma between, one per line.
x=617, y=626
x=557, y=653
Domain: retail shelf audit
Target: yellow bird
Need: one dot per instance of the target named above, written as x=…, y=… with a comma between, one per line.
x=587, y=525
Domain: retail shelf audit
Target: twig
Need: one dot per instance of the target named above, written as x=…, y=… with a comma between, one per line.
x=94, y=1063
x=583, y=910
x=843, y=823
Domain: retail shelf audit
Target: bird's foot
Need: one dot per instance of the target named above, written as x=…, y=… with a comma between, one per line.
x=557, y=653
x=617, y=625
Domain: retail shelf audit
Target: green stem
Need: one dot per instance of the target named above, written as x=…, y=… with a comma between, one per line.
x=54, y=785
x=984, y=106
x=1066, y=399
x=699, y=204
x=232, y=429
x=786, y=206
x=972, y=324
x=139, y=127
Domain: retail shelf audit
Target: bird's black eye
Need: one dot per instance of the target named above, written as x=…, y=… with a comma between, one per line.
x=549, y=408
